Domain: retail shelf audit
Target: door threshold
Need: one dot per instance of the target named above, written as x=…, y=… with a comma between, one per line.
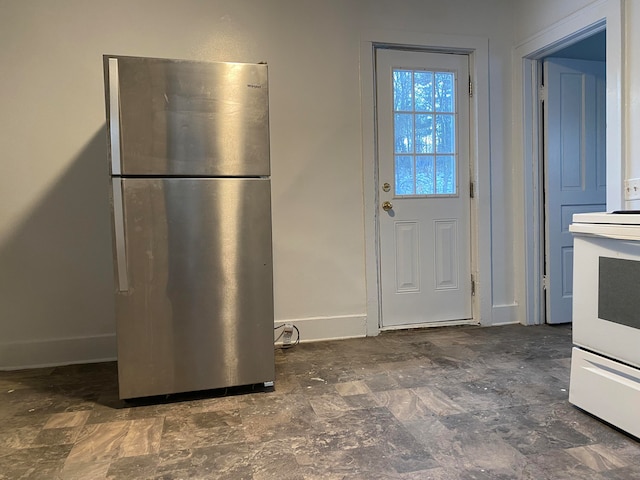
x=447, y=323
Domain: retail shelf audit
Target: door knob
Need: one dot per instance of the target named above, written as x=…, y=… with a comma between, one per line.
x=386, y=206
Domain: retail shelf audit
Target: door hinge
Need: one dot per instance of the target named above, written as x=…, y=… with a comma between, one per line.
x=542, y=93
x=545, y=282
x=470, y=88
x=472, y=191
x=473, y=285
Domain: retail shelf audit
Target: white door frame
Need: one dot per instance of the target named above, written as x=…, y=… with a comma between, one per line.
x=478, y=50
x=587, y=21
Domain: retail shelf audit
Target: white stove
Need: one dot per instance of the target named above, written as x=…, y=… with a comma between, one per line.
x=605, y=362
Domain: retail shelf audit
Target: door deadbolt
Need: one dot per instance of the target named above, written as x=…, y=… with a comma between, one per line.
x=386, y=187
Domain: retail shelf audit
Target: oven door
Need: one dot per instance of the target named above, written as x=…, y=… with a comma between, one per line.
x=606, y=296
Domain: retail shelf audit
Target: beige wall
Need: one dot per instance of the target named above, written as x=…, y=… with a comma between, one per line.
x=55, y=251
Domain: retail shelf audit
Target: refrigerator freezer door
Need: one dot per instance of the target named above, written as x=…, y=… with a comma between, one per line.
x=187, y=118
x=198, y=312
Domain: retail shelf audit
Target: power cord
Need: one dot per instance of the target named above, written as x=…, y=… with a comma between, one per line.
x=287, y=332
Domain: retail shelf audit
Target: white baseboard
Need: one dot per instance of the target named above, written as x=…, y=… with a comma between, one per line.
x=100, y=348
x=316, y=329
x=503, y=315
x=59, y=351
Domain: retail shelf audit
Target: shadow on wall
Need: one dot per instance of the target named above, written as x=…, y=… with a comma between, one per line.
x=56, y=276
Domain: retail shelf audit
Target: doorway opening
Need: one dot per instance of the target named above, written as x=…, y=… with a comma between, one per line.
x=572, y=146
x=600, y=17
x=477, y=51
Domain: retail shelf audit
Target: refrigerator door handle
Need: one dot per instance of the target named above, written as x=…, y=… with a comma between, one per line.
x=121, y=248
x=114, y=115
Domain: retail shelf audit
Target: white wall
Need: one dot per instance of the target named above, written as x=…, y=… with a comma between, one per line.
x=632, y=92
x=55, y=250
x=534, y=16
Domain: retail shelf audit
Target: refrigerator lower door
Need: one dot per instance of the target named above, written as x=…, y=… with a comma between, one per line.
x=197, y=311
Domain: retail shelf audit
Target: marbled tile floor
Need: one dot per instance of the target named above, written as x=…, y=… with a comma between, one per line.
x=440, y=403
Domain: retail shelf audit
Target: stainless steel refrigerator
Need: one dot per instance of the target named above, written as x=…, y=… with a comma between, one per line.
x=191, y=203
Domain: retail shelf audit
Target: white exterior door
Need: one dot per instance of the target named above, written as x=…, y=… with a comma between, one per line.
x=575, y=167
x=423, y=182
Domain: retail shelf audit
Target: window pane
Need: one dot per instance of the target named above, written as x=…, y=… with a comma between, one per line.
x=424, y=175
x=403, y=127
x=444, y=92
x=423, y=87
x=424, y=123
x=446, y=174
x=402, y=90
x=445, y=134
x=404, y=175
x=424, y=133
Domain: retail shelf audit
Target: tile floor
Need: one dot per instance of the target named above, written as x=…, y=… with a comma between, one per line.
x=442, y=403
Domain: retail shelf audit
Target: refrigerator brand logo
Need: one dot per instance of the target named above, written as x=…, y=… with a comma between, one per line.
x=253, y=85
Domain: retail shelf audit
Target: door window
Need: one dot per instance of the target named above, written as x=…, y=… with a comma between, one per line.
x=424, y=125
